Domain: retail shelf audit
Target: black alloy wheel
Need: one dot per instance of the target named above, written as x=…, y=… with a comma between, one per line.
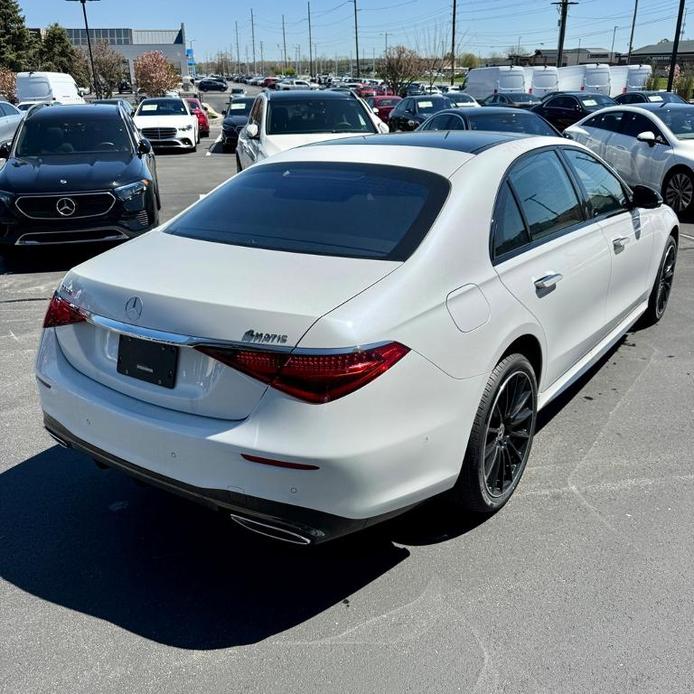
x=662, y=287
x=500, y=439
x=679, y=191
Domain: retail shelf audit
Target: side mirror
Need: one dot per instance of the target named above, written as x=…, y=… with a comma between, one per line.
x=411, y=124
x=224, y=112
x=252, y=131
x=646, y=197
x=4, y=150
x=374, y=109
x=144, y=146
x=648, y=137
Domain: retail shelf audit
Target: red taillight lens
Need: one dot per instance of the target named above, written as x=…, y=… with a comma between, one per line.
x=62, y=312
x=316, y=378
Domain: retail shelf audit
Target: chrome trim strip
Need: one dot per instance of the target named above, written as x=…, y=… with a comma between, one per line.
x=113, y=235
x=272, y=531
x=65, y=195
x=179, y=340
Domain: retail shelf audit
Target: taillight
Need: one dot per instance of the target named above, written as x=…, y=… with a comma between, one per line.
x=62, y=312
x=313, y=377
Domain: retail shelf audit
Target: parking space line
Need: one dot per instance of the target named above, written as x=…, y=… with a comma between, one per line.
x=687, y=236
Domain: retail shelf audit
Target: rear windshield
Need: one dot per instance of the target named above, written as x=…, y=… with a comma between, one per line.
x=435, y=103
x=515, y=121
x=348, y=210
x=49, y=136
x=316, y=115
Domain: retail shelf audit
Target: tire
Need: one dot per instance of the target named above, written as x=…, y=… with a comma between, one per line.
x=678, y=191
x=484, y=486
x=662, y=287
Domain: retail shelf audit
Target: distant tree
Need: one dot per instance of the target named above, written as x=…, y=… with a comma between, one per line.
x=154, y=73
x=431, y=46
x=56, y=53
x=80, y=70
x=290, y=71
x=469, y=60
x=109, y=66
x=8, y=83
x=401, y=66
x=17, y=46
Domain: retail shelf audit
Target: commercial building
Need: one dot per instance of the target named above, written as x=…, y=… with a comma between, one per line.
x=132, y=43
x=660, y=54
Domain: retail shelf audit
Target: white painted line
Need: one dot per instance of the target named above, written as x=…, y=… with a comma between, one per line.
x=687, y=236
x=211, y=147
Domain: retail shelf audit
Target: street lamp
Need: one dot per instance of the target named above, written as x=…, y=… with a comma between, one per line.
x=89, y=44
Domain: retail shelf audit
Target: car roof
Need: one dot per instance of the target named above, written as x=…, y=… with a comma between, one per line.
x=489, y=111
x=663, y=106
x=306, y=94
x=579, y=94
x=76, y=111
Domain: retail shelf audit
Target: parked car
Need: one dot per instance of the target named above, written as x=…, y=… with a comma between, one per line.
x=282, y=120
x=512, y=99
x=75, y=174
x=269, y=83
x=199, y=112
x=461, y=100
x=124, y=103
x=649, y=97
x=168, y=122
x=498, y=119
x=290, y=84
x=10, y=118
x=211, y=85
x=237, y=91
x=413, y=89
x=47, y=87
x=566, y=108
x=235, y=118
x=646, y=144
x=456, y=358
x=414, y=110
x=383, y=105
x=124, y=86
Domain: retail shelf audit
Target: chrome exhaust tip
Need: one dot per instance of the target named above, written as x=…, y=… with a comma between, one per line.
x=271, y=531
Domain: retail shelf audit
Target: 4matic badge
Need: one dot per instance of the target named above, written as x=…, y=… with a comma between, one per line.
x=264, y=338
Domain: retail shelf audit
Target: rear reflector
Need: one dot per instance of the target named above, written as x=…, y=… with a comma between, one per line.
x=62, y=312
x=314, y=377
x=278, y=463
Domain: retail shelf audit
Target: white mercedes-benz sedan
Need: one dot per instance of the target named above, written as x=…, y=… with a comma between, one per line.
x=357, y=336
x=168, y=122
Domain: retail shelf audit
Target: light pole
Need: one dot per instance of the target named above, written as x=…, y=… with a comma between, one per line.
x=89, y=45
x=192, y=57
x=614, y=33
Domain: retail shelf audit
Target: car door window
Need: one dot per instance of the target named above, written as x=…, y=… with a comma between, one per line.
x=634, y=124
x=509, y=229
x=256, y=112
x=612, y=121
x=604, y=192
x=561, y=102
x=546, y=194
x=437, y=123
x=4, y=111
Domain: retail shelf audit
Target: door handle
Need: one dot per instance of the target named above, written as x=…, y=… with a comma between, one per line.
x=621, y=148
x=548, y=281
x=619, y=243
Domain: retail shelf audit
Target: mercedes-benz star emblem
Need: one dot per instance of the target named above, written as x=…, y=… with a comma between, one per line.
x=133, y=307
x=66, y=207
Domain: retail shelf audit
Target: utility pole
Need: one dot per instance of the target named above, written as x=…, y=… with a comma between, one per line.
x=564, y=9
x=675, y=46
x=452, y=43
x=284, y=42
x=614, y=33
x=356, y=36
x=310, y=43
x=262, y=60
x=238, y=55
x=633, y=26
x=255, y=66
x=386, y=51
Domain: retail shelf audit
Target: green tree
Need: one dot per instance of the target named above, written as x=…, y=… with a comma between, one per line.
x=17, y=46
x=469, y=60
x=56, y=53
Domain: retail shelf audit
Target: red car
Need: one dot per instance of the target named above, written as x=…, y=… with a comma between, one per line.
x=366, y=91
x=269, y=83
x=199, y=111
x=383, y=105
x=384, y=90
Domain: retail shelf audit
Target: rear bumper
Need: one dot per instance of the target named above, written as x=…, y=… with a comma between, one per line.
x=375, y=453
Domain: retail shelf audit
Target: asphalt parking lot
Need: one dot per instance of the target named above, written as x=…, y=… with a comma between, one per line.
x=581, y=583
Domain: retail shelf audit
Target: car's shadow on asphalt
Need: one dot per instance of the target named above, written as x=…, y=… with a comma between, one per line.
x=22, y=261
x=97, y=542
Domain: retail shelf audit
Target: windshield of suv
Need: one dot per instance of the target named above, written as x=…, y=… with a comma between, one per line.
x=56, y=135
x=597, y=101
x=432, y=104
x=349, y=210
x=317, y=115
x=162, y=107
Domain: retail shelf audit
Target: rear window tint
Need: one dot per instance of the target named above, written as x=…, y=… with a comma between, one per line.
x=348, y=210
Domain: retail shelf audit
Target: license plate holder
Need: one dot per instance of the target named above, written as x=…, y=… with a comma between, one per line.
x=147, y=361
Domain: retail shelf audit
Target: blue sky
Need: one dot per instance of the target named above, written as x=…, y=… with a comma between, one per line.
x=484, y=26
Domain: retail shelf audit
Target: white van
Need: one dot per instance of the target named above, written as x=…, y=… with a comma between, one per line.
x=483, y=81
x=618, y=79
x=585, y=78
x=637, y=77
x=47, y=87
x=541, y=80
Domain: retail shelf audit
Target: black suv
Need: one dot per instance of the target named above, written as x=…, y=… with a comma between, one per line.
x=75, y=174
